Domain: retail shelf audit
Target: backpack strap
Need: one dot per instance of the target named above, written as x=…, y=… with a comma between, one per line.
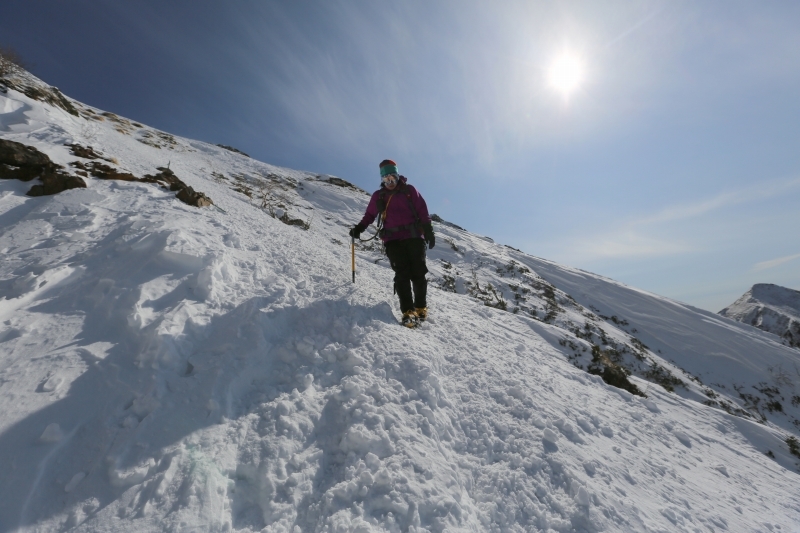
x=416, y=226
x=383, y=207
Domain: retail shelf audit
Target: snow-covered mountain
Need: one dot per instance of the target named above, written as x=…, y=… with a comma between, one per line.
x=770, y=308
x=180, y=368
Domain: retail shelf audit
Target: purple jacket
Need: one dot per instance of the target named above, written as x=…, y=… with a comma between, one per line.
x=398, y=211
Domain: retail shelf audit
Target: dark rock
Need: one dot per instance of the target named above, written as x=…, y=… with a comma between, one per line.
x=25, y=163
x=189, y=196
x=166, y=178
x=104, y=172
x=55, y=182
x=8, y=172
x=19, y=155
x=86, y=152
x=232, y=149
x=339, y=182
x=440, y=220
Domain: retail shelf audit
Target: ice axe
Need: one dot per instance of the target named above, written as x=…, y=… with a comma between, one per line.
x=353, y=256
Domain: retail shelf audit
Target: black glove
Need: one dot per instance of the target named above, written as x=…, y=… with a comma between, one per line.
x=357, y=230
x=429, y=238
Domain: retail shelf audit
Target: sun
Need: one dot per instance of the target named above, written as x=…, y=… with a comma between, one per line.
x=566, y=73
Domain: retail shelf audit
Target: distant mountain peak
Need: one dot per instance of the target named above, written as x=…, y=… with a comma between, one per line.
x=771, y=308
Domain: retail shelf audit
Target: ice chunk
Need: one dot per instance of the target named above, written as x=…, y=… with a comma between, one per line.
x=144, y=405
x=564, y=426
x=582, y=498
x=52, y=433
x=683, y=437
x=361, y=440
x=217, y=275
x=284, y=408
x=625, y=395
x=305, y=347
x=76, y=479
x=585, y=425
x=651, y=405
x=232, y=241
x=550, y=436
x=52, y=383
x=517, y=393
x=131, y=476
x=373, y=462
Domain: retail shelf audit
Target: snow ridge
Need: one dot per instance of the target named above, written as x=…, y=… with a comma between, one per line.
x=168, y=367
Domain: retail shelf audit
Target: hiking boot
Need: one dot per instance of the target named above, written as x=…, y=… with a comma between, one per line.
x=410, y=319
x=422, y=313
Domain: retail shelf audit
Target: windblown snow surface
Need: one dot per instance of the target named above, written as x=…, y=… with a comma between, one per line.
x=770, y=308
x=172, y=368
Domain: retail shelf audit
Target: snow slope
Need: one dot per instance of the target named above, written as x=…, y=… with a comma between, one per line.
x=166, y=367
x=770, y=308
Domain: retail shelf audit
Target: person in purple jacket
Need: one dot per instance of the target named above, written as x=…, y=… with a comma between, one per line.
x=405, y=228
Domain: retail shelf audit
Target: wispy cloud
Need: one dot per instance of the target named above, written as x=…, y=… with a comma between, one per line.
x=629, y=244
x=662, y=234
x=762, y=191
x=772, y=263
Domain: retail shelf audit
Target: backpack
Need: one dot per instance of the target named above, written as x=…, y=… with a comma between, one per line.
x=383, y=205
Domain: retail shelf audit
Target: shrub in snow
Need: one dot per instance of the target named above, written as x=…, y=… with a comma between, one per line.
x=794, y=446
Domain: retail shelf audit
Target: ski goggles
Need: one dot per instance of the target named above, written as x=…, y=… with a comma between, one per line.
x=389, y=179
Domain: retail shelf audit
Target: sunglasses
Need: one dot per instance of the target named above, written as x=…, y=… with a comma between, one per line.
x=389, y=179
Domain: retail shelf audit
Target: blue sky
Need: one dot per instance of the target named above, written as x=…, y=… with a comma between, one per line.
x=674, y=166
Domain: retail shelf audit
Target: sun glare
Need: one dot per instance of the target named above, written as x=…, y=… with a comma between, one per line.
x=566, y=73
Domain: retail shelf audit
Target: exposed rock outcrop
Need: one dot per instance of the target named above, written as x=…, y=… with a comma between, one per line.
x=26, y=163
x=103, y=171
x=232, y=149
x=35, y=89
x=185, y=194
x=189, y=196
x=165, y=177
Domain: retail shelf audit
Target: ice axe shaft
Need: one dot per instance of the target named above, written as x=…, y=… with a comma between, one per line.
x=353, y=256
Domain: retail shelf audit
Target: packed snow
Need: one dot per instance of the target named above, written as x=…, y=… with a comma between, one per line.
x=165, y=367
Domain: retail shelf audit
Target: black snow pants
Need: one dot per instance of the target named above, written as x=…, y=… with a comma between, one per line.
x=407, y=257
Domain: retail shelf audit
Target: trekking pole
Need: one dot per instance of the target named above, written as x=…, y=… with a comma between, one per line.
x=353, y=256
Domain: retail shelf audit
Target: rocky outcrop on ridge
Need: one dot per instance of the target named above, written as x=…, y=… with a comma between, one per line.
x=26, y=163
x=165, y=178
x=21, y=80
x=769, y=307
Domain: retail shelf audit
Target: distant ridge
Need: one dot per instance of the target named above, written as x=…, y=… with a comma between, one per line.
x=771, y=308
